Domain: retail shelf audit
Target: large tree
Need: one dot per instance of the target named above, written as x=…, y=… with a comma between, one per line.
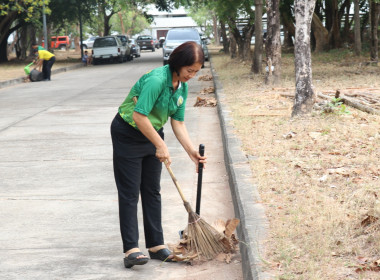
x=304, y=97
x=258, y=50
x=273, y=42
x=358, y=42
x=375, y=12
x=14, y=15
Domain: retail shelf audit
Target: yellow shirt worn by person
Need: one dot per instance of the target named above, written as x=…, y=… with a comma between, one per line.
x=44, y=54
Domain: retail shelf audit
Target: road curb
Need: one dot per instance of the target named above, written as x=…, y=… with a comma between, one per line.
x=20, y=80
x=246, y=199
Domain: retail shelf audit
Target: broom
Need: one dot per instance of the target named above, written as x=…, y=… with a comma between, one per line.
x=202, y=237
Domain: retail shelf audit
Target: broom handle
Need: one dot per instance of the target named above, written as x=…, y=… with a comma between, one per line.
x=199, y=185
x=176, y=183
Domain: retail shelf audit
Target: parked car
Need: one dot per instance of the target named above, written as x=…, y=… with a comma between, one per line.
x=135, y=49
x=87, y=44
x=108, y=48
x=126, y=42
x=177, y=36
x=146, y=42
x=59, y=42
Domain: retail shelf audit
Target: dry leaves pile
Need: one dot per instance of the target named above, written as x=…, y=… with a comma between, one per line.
x=182, y=252
x=205, y=102
x=205, y=78
x=207, y=90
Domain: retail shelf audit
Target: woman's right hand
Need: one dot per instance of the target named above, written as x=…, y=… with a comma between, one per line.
x=162, y=153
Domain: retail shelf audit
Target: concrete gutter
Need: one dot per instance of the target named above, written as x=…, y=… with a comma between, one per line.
x=20, y=80
x=253, y=223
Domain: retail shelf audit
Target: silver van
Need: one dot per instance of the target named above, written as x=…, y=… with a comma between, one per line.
x=177, y=36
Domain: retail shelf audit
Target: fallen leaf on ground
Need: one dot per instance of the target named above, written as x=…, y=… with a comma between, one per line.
x=182, y=251
x=205, y=102
x=339, y=170
x=368, y=220
x=208, y=90
x=289, y=135
x=231, y=226
x=205, y=78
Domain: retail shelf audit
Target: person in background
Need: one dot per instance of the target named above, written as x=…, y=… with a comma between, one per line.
x=139, y=148
x=86, y=59
x=45, y=60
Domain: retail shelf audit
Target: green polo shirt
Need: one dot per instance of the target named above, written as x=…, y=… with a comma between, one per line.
x=156, y=99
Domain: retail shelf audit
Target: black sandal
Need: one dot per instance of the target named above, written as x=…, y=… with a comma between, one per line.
x=132, y=260
x=162, y=255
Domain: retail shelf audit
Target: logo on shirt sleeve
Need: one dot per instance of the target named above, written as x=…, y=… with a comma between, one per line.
x=179, y=101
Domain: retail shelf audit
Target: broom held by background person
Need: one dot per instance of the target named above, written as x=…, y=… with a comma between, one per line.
x=139, y=148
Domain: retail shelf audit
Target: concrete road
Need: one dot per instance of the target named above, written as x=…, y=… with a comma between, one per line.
x=58, y=200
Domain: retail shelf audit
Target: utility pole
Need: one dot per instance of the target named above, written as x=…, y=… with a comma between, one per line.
x=46, y=40
x=80, y=30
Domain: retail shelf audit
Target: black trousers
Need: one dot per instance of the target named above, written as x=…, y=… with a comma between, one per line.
x=137, y=171
x=46, y=67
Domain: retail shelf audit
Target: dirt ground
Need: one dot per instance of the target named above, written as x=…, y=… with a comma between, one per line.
x=318, y=175
x=15, y=69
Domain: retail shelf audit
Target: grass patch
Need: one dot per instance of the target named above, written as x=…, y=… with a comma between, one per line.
x=320, y=185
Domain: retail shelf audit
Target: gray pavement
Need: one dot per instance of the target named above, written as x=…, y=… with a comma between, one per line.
x=58, y=210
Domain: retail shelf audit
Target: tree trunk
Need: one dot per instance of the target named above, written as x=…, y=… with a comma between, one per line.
x=247, y=42
x=215, y=29
x=287, y=39
x=347, y=23
x=100, y=20
x=238, y=39
x=304, y=97
x=32, y=38
x=226, y=42
x=329, y=14
x=335, y=41
x=241, y=37
x=23, y=42
x=107, y=25
x=374, y=10
x=289, y=31
x=121, y=22
x=3, y=51
x=321, y=34
x=358, y=42
x=77, y=43
x=258, y=51
x=232, y=46
x=273, y=43
x=5, y=25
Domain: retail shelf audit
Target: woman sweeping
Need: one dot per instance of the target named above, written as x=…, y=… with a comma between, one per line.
x=139, y=148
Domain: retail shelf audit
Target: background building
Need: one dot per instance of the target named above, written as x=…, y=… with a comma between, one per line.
x=163, y=21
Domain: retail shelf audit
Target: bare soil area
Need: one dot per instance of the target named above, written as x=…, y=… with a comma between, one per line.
x=318, y=175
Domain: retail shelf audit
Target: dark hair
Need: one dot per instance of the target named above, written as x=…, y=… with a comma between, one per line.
x=185, y=55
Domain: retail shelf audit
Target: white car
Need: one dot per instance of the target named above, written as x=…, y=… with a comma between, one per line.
x=109, y=48
x=177, y=36
x=89, y=43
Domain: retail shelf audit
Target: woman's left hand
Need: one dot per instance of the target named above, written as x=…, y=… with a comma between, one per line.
x=197, y=158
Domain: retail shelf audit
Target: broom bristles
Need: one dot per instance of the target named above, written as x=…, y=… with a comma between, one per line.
x=203, y=238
